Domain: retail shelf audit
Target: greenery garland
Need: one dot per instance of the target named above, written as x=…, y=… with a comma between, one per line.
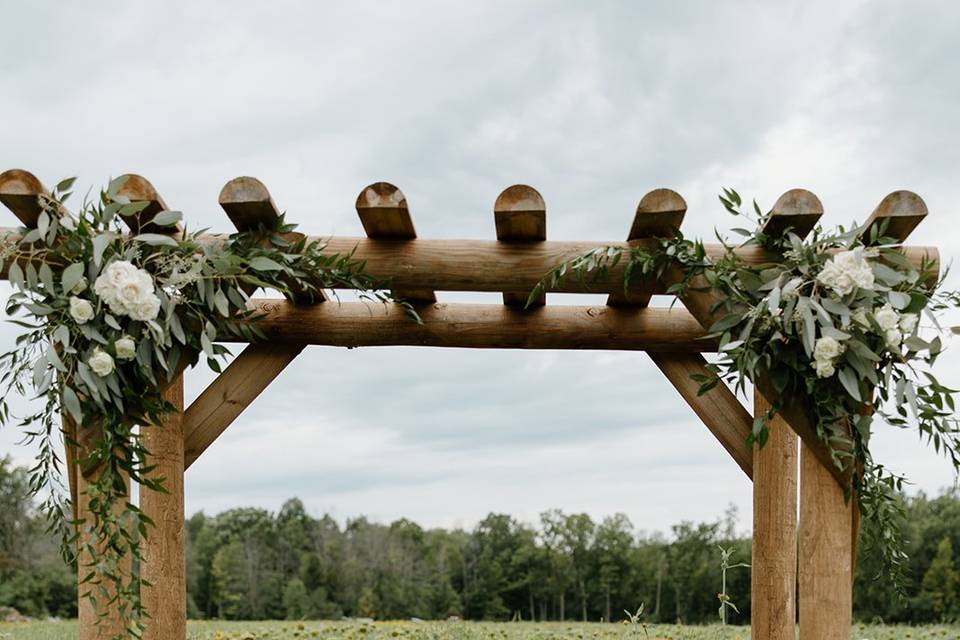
x=110, y=318
x=834, y=320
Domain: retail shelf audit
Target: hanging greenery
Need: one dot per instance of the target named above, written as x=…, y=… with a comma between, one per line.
x=109, y=319
x=840, y=323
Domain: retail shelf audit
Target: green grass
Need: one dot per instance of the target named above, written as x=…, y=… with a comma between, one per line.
x=464, y=631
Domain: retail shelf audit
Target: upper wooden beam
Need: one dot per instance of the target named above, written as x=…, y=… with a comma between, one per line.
x=520, y=215
x=136, y=188
x=248, y=204
x=20, y=192
x=797, y=211
x=659, y=215
x=358, y=324
x=901, y=210
x=384, y=214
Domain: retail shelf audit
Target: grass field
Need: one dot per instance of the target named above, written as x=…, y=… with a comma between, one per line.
x=463, y=631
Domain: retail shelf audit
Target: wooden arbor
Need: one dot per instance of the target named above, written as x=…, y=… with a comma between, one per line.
x=512, y=265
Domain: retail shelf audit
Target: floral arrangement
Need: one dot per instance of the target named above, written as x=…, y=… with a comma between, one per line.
x=110, y=318
x=831, y=323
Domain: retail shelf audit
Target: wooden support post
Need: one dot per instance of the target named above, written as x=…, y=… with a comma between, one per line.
x=826, y=581
x=520, y=215
x=773, y=612
x=384, y=214
x=163, y=564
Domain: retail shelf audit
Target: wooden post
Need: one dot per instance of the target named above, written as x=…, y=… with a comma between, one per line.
x=520, y=215
x=163, y=549
x=826, y=550
x=774, y=565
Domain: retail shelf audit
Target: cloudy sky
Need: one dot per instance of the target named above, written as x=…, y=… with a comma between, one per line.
x=594, y=104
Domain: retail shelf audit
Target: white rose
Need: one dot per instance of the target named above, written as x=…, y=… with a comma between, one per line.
x=827, y=348
x=128, y=290
x=908, y=322
x=893, y=338
x=825, y=368
x=887, y=317
x=80, y=310
x=145, y=310
x=101, y=362
x=126, y=348
x=80, y=287
x=846, y=271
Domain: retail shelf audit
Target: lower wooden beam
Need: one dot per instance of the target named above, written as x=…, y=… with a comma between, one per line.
x=163, y=565
x=225, y=398
x=773, y=611
x=719, y=408
x=358, y=324
x=826, y=553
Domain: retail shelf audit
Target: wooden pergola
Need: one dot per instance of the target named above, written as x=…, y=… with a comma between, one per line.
x=824, y=539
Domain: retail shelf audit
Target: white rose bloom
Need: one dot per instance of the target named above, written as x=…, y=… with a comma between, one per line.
x=80, y=287
x=126, y=348
x=827, y=348
x=887, y=317
x=908, y=322
x=101, y=362
x=893, y=338
x=825, y=368
x=128, y=290
x=145, y=310
x=80, y=310
x=846, y=271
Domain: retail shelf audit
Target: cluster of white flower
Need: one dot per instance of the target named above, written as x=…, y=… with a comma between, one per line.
x=102, y=362
x=895, y=325
x=847, y=271
x=825, y=354
x=128, y=291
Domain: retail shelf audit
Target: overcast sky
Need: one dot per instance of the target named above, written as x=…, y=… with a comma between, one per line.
x=592, y=103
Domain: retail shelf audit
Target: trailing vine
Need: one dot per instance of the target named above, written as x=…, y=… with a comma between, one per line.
x=834, y=320
x=109, y=319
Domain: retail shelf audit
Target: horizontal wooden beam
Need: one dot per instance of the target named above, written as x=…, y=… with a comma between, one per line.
x=358, y=324
x=489, y=265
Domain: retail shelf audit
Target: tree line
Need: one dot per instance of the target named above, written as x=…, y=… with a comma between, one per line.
x=251, y=563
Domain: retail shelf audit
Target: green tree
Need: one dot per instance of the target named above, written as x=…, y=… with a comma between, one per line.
x=296, y=600
x=940, y=583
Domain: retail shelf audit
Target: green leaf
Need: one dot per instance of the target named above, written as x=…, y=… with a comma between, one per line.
x=167, y=218
x=848, y=378
x=156, y=240
x=72, y=404
x=100, y=243
x=261, y=263
x=71, y=276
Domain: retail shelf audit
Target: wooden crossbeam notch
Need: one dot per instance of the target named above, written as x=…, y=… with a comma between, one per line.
x=902, y=211
x=775, y=473
x=138, y=189
x=248, y=204
x=384, y=214
x=659, y=215
x=520, y=215
x=20, y=192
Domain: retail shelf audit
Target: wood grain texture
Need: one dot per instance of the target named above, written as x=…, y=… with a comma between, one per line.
x=773, y=610
x=902, y=211
x=224, y=399
x=20, y=192
x=719, y=408
x=826, y=592
x=384, y=214
x=138, y=189
x=163, y=563
x=520, y=215
x=659, y=215
x=248, y=204
x=357, y=324
x=797, y=211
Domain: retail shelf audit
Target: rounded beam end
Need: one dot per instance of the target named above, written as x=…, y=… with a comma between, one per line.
x=18, y=182
x=901, y=203
x=797, y=201
x=243, y=189
x=519, y=197
x=381, y=195
x=662, y=201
